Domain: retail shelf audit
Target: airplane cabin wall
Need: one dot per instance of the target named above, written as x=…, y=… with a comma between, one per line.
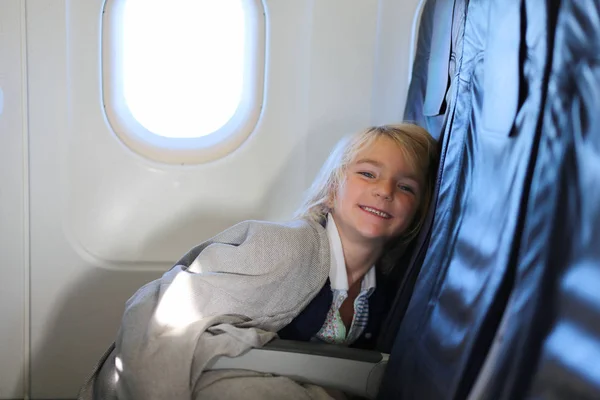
x=85, y=221
x=13, y=199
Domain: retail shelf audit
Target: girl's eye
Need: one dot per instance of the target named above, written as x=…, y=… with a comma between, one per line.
x=406, y=188
x=367, y=174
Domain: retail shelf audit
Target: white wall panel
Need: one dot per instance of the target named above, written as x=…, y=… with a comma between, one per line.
x=104, y=220
x=397, y=27
x=343, y=47
x=13, y=201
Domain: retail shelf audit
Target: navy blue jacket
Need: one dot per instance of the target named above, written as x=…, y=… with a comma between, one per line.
x=308, y=323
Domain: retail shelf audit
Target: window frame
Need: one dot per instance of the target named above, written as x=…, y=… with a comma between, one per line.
x=195, y=150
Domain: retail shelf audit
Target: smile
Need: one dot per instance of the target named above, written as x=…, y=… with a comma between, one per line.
x=377, y=212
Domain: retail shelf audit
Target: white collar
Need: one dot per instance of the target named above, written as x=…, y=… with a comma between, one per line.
x=338, y=276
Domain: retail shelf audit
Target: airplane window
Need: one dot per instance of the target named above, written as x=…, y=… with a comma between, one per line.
x=182, y=69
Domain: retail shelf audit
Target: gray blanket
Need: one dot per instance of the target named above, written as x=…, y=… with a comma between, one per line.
x=223, y=297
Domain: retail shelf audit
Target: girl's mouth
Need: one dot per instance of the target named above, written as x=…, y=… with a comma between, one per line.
x=374, y=211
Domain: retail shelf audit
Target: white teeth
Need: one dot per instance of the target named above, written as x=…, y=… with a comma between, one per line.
x=376, y=212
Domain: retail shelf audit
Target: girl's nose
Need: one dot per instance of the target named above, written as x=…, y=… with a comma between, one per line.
x=384, y=189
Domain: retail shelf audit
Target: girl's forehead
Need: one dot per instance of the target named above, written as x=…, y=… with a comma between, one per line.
x=382, y=147
x=384, y=150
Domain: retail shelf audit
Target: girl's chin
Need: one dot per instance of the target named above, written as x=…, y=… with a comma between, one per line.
x=378, y=233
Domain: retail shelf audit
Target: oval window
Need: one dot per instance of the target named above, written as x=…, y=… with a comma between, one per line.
x=183, y=79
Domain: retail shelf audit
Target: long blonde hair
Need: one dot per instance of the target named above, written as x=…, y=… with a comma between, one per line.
x=419, y=148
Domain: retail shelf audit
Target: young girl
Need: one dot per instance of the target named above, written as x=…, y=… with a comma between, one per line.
x=372, y=195
x=319, y=277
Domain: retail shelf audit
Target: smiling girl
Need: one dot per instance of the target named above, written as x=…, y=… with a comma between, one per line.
x=372, y=195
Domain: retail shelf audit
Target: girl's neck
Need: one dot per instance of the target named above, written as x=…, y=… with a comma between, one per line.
x=359, y=259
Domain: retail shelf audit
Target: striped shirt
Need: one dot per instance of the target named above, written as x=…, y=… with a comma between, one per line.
x=333, y=330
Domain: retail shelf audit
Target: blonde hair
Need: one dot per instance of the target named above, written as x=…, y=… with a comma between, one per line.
x=419, y=148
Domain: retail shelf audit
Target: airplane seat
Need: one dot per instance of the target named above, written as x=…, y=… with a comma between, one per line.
x=500, y=302
x=467, y=269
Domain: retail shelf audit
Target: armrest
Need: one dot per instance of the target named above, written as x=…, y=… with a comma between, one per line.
x=354, y=371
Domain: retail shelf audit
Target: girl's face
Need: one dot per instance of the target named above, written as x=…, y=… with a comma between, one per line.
x=380, y=195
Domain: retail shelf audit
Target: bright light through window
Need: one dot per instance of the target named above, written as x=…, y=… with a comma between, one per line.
x=183, y=64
